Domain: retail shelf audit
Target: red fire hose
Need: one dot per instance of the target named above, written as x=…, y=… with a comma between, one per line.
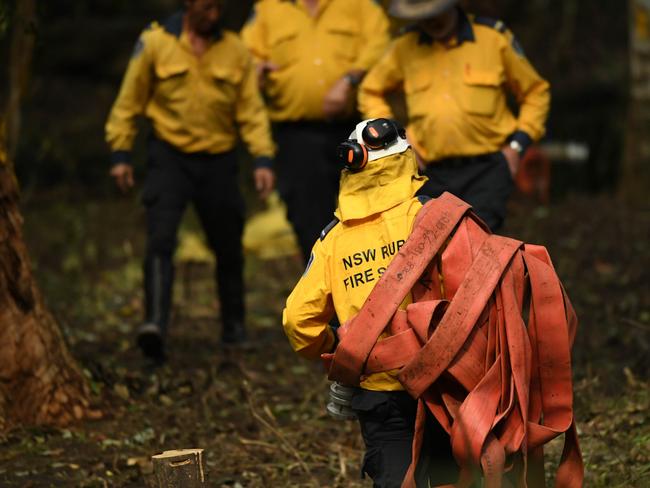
x=490, y=359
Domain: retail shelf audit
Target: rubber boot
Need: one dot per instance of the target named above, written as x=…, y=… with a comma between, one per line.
x=158, y=280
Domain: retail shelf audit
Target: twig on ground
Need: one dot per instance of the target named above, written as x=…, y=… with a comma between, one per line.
x=312, y=393
x=253, y=442
x=285, y=444
x=636, y=324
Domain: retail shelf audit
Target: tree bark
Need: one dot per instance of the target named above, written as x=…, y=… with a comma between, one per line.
x=23, y=38
x=39, y=381
x=636, y=165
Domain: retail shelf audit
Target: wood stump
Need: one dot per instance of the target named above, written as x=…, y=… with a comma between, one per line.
x=180, y=468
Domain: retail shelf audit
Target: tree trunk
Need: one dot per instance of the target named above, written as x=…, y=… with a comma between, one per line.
x=39, y=381
x=20, y=59
x=636, y=166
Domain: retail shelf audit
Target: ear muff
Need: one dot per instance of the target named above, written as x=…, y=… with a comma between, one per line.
x=380, y=133
x=353, y=155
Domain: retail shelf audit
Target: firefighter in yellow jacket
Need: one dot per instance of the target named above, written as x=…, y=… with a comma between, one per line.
x=196, y=84
x=456, y=71
x=376, y=209
x=311, y=55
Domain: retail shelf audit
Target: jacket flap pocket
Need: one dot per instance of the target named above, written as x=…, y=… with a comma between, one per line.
x=419, y=81
x=164, y=71
x=228, y=74
x=282, y=36
x=482, y=77
x=347, y=28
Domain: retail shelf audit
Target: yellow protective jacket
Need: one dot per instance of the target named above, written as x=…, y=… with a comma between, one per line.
x=313, y=53
x=194, y=104
x=456, y=94
x=376, y=209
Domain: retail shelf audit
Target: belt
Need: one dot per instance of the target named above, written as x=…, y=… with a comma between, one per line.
x=460, y=161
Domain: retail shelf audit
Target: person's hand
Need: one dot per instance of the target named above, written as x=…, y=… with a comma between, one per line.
x=122, y=173
x=337, y=98
x=263, y=68
x=513, y=158
x=264, y=181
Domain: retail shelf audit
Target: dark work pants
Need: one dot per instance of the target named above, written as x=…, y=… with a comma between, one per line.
x=482, y=181
x=387, y=421
x=308, y=173
x=209, y=181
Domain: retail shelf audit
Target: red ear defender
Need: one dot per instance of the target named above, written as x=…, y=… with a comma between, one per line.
x=353, y=155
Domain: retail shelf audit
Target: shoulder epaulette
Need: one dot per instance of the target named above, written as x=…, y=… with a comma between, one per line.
x=423, y=199
x=328, y=228
x=492, y=23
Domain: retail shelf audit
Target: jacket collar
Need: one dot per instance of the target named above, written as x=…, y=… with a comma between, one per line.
x=174, y=26
x=464, y=31
x=322, y=4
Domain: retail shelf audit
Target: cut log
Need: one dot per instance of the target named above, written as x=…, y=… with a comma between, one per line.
x=180, y=468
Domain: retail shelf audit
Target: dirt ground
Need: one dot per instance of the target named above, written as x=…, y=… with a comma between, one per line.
x=260, y=414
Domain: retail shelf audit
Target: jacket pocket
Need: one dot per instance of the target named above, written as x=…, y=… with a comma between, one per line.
x=343, y=37
x=171, y=79
x=416, y=88
x=225, y=87
x=480, y=91
x=283, y=47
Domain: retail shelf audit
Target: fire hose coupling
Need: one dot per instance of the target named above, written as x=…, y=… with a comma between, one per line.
x=340, y=402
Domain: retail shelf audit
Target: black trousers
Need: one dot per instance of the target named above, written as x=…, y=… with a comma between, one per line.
x=308, y=173
x=482, y=181
x=387, y=420
x=209, y=181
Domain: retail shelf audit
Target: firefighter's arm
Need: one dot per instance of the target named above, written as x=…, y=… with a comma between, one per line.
x=374, y=35
x=530, y=90
x=252, y=118
x=373, y=32
x=384, y=77
x=310, y=308
x=255, y=129
x=254, y=36
x=131, y=101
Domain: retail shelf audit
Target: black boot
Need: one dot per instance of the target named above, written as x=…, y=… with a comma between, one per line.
x=158, y=279
x=151, y=342
x=234, y=333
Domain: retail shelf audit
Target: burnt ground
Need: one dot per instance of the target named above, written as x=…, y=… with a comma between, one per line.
x=260, y=414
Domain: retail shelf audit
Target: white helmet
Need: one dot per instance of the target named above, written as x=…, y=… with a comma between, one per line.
x=382, y=137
